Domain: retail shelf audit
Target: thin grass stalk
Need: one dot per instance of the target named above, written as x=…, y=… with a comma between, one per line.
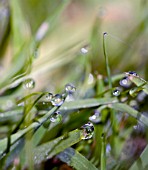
x=107, y=62
x=103, y=153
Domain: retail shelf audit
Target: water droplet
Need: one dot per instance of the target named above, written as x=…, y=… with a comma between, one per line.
x=49, y=96
x=96, y=118
x=105, y=33
x=29, y=83
x=116, y=92
x=108, y=148
x=84, y=50
x=47, y=153
x=57, y=100
x=90, y=79
x=93, y=117
x=69, y=98
x=125, y=82
x=87, y=131
x=42, y=31
x=135, y=127
x=56, y=117
x=70, y=88
x=21, y=104
x=132, y=73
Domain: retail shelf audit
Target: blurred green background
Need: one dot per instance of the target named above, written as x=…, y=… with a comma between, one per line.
x=55, y=31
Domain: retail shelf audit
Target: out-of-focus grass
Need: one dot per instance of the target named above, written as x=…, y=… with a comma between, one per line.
x=58, y=42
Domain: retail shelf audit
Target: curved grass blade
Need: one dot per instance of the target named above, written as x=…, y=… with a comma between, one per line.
x=30, y=95
x=75, y=159
x=17, y=21
x=34, y=126
x=87, y=103
x=127, y=109
x=141, y=163
x=52, y=148
x=72, y=105
x=11, y=116
x=26, y=112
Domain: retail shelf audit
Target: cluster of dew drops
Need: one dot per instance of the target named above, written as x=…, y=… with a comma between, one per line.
x=124, y=82
x=58, y=100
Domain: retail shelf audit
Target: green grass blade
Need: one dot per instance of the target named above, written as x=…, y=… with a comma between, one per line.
x=127, y=109
x=52, y=148
x=12, y=116
x=21, y=133
x=87, y=103
x=76, y=160
x=107, y=62
x=103, y=153
x=17, y=21
x=139, y=82
x=77, y=104
x=141, y=163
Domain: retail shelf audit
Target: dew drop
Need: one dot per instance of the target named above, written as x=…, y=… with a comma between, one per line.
x=42, y=31
x=132, y=73
x=125, y=82
x=90, y=79
x=84, y=50
x=57, y=100
x=93, y=117
x=49, y=96
x=56, y=117
x=70, y=88
x=108, y=148
x=105, y=33
x=87, y=131
x=29, y=83
x=116, y=92
x=96, y=118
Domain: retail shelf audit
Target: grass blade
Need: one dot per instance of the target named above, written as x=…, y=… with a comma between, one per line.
x=87, y=103
x=138, y=81
x=21, y=133
x=77, y=104
x=141, y=163
x=103, y=153
x=127, y=109
x=52, y=148
x=107, y=62
x=76, y=160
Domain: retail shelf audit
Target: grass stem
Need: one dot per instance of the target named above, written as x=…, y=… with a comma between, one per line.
x=107, y=61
